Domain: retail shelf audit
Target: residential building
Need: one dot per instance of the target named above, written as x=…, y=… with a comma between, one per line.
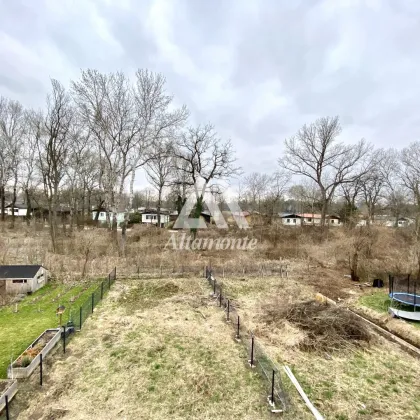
x=16, y=279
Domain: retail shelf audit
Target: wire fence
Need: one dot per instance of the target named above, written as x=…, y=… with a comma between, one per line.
x=76, y=320
x=225, y=269
x=258, y=358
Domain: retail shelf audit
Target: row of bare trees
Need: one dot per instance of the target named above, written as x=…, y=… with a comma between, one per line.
x=330, y=175
x=90, y=141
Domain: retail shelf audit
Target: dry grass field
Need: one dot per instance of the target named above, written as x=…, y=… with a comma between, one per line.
x=158, y=346
x=153, y=349
x=343, y=378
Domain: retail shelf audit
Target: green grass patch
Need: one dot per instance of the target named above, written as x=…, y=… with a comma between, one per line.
x=378, y=301
x=36, y=313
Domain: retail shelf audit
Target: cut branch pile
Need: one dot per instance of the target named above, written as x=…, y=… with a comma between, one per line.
x=326, y=328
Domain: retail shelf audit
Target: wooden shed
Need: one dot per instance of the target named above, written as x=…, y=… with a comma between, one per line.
x=16, y=279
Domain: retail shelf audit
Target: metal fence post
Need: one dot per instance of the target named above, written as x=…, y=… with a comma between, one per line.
x=272, y=388
x=80, y=317
x=228, y=308
x=220, y=297
x=102, y=290
x=6, y=399
x=237, y=332
x=64, y=339
x=93, y=300
x=40, y=369
x=214, y=287
x=109, y=280
x=251, y=361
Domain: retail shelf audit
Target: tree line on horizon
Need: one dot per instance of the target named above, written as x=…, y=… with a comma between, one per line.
x=85, y=147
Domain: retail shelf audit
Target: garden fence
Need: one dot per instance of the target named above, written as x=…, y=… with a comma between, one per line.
x=257, y=357
x=79, y=315
x=76, y=319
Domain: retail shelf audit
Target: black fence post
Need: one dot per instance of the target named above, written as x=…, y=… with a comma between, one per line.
x=214, y=287
x=228, y=308
x=64, y=339
x=40, y=369
x=272, y=388
x=109, y=280
x=93, y=300
x=251, y=362
x=220, y=296
x=80, y=316
x=237, y=332
x=6, y=399
x=102, y=290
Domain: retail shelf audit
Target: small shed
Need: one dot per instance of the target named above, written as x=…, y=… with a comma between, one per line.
x=16, y=279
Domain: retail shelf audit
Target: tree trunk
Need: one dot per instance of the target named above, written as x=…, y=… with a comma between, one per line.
x=158, y=206
x=3, y=203
x=12, y=224
x=324, y=210
x=28, y=207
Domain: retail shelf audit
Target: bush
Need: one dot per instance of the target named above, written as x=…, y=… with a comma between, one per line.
x=135, y=218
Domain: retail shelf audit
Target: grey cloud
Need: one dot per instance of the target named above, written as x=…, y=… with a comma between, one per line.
x=319, y=57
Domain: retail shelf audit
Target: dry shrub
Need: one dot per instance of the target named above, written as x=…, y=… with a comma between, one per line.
x=326, y=328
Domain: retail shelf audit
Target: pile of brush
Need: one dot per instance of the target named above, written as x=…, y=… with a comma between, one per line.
x=325, y=328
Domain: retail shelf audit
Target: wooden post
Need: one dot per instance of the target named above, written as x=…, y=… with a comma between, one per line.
x=93, y=300
x=80, y=317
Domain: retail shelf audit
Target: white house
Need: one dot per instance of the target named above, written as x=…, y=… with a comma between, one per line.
x=315, y=219
x=102, y=218
x=16, y=279
x=20, y=210
x=290, y=219
x=150, y=217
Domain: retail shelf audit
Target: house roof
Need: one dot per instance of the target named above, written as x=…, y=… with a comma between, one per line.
x=19, y=205
x=318, y=216
x=18, y=271
x=290, y=215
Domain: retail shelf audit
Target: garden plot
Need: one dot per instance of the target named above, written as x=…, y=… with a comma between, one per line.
x=36, y=313
x=347, y=372
x=154, y=349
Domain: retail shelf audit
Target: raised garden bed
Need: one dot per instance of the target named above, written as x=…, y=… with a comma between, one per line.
x=26, y=363
x=9, y=389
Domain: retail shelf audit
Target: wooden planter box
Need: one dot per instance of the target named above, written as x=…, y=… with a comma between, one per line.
x=24, y=372
x=10, y=391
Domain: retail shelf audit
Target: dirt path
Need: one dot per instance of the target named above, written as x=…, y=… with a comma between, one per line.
x=153, y=349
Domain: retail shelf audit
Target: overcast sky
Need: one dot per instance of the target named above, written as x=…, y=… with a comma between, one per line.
x=256, y=69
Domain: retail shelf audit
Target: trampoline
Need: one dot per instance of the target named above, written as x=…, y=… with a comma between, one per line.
x=404, y=290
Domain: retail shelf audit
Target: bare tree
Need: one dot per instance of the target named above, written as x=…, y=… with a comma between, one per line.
x=12, y=130
x=257, y=185
x=315, y=153
x=158, y=172
x=204, y=158
x=410, y=174
x=275, y=191
x=53, y=143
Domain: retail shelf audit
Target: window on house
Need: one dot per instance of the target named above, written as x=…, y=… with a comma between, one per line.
x=154, y=217
x=294, y=221
x=102, y=214
x=148, y=216
x=20, y=281
x=288, y=220
x=332, y=220
x=309, y=219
